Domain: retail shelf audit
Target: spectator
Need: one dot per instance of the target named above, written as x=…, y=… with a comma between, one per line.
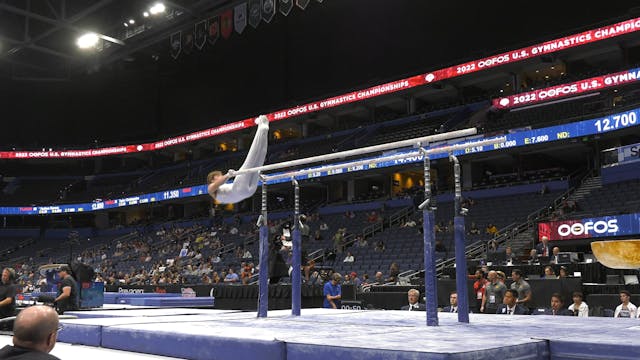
x=394, y=271
x=379, y=280
x=379, y=246
x=474, y=229
x=247, y=254
x=231, y=277
x=579, y=308
x=549, y=273
x=554, y=255
x=491, y=230
x=533, y=257
x=510, y=257
x=35, y=332
x=333, y=292
x=626, y=309
x=324, y=226
x=356, y=280
x=413, y=296
x=348, y=258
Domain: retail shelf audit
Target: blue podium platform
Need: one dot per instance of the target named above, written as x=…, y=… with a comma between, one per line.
x=322, y=333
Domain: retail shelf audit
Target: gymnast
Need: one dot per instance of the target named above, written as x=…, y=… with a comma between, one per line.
x=243, y=185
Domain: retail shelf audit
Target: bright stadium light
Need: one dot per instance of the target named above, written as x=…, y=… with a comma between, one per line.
x=87, y=40
x=131, y=21
x=157, y=8
x=145, y=14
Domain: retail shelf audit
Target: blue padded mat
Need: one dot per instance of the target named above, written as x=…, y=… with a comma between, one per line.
x=322, y=333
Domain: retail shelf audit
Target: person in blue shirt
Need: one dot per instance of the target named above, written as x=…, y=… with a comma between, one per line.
x=333, y=292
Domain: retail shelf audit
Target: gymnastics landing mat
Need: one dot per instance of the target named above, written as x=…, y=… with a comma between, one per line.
x=323, y=333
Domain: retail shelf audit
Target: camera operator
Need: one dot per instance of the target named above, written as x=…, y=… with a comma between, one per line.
x=67, y=298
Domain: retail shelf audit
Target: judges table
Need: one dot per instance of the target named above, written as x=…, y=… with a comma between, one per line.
x=589, y=272
x=394, y=297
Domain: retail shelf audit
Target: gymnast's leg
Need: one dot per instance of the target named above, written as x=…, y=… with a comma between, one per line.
x=244, y=185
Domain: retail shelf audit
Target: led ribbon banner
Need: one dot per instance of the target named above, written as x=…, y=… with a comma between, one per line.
x=548, y=47
x=526, y=137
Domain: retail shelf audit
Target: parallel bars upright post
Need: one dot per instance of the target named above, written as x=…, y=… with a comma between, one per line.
x=296, y=276
x=430, y=282
x=461, y=260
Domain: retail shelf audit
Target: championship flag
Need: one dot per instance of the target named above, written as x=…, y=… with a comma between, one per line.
x=240, y=17
x=213, y=29
x=201, y=34
x=188, y=42
x=176, y=44
x=302, y=4
x=285, y=6
x=255, y=12
x=226, y=23
x=268, y=10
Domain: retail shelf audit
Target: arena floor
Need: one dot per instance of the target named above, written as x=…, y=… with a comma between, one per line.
x=321, y=334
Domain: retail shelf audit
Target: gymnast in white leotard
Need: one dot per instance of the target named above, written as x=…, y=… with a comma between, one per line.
x=243, y=185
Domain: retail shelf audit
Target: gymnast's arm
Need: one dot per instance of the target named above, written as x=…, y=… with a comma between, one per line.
x=216, y=185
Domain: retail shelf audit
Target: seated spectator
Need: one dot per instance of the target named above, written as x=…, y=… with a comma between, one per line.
x=324, y=226
x=247, y=254
x=35, y=332
x=317, y=236
x=373, y=217
x=394, y=271
x=413, y=296
x=491, y=230
x=510, y=257
x=533, y=257
x=549, y=273
x=379, y=246
x=361, y=241
x=348, y=259
x=562, y=273
x=626, y=309
x=231, y=277
x=579, y=308
x=378, y=279
x=439, y=246
x=409, y=223
x=356, y=280
x=474, y=229
x=554, y=255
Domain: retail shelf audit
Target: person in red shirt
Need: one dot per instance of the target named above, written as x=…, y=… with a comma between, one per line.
x=479, y=287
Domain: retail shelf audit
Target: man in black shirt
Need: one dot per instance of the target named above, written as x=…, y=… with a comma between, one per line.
x=67, y=298
x=34, y=335
x=8, y=293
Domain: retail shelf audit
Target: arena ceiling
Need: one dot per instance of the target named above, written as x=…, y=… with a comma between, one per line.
x=37, y=37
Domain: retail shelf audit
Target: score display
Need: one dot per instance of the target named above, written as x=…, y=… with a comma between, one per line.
x=594, y=126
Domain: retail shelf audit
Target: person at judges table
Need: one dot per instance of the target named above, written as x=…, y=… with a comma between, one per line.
x=453, y=303
x=626, y=309
x=557, y=307
x=543, y=248
x=413, y=296
x=509, y=305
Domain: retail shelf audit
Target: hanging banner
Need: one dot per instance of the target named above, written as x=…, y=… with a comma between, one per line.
x=255, y=13
x=268, y=10
x=188, y=42
x=176, y=44
x=302, y=4
x=201, y=34
x=240, y=17
x=213, y=26
x=226, y=23
x=285, y=6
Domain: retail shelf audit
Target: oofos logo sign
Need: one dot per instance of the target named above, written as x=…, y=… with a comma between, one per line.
x=589, y=227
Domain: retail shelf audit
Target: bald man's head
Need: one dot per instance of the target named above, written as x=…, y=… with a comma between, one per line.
x=36, y=328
